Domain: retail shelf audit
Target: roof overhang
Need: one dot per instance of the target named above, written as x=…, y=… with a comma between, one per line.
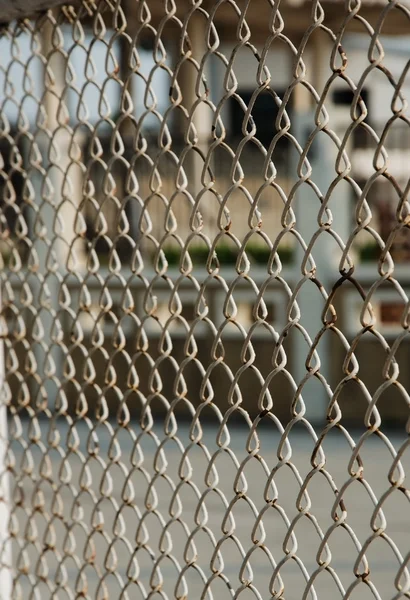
x=296, y=14
x=11, y=10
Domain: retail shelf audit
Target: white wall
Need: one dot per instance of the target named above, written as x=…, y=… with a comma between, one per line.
x=397, y=52
x=20, y=77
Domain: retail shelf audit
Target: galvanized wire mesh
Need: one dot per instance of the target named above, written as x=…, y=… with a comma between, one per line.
x=156, y=270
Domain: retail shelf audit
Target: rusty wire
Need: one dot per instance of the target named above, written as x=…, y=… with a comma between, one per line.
x=114, y=485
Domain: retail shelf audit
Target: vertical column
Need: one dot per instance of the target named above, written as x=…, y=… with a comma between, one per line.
x=57, y=186
x=200, y=117
x=64, y=151
x=322, y=159
x=132, y=209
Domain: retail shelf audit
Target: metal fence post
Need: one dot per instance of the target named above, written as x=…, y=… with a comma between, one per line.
x=6, y=579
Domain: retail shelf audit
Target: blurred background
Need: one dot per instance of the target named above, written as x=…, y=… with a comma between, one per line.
x=146, y=144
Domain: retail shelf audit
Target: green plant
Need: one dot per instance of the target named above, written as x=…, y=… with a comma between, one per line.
x=199, y=255
x=369, y=252
x=227, y=254
x=285, y=254
x=172, y=255
x=261, y=254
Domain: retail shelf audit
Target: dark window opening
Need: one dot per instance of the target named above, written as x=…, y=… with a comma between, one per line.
x=264, y=114
x=344, y=97
x=103, y=244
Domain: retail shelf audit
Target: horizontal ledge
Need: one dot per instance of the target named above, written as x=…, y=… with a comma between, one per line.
x=11, y=10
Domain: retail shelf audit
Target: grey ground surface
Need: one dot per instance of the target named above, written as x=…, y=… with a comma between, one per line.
x=106, y=556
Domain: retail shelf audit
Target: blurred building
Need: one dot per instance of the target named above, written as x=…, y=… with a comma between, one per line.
x=124, y=144
x=93, y=100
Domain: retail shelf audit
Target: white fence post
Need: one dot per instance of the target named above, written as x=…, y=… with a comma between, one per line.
x=57, y=194
x=322, y=159
x=200, y=118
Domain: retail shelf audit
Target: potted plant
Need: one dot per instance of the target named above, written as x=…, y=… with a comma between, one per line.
x=227, y=254
x=369, y=252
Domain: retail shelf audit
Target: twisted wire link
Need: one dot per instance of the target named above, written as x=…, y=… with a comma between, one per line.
x=148, y=451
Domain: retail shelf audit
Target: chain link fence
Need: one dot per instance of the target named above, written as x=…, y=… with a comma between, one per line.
x=204, y=246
